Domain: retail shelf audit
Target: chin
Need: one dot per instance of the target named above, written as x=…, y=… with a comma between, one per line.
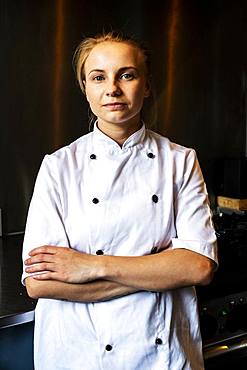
x=121, y=120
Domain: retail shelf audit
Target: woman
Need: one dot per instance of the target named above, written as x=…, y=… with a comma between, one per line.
x=130, y=210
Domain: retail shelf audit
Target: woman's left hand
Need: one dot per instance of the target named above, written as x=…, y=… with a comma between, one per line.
x=62, y=264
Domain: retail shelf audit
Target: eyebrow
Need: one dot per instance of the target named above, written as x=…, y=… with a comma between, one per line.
x=122, y=69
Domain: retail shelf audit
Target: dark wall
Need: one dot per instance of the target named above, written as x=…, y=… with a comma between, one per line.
x=199, y=72
x=207, y=103
x=200, y=63
x=42, y=107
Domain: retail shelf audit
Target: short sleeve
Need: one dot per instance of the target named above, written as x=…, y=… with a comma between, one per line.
x=193, y=219
x=44, y=224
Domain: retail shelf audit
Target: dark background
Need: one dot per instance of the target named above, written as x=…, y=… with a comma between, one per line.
x=199, y=62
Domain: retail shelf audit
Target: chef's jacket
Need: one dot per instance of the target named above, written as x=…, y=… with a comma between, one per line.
x=97, y=197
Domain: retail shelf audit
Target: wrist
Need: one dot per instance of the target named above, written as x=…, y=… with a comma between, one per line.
x=100, y=267
x=105, y=267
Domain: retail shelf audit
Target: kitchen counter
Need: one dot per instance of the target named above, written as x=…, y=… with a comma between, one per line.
x=15, y=305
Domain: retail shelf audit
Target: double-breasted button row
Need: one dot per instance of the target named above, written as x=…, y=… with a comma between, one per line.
x=158, y=341
x=155, y=199
x=149, y=154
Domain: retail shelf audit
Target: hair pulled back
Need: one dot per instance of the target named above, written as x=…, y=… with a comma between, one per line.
x=86, y=46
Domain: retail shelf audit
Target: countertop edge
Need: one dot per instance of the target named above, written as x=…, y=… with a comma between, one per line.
x=16, y=319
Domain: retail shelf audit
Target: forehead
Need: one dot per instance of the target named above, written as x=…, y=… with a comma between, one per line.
x=114, y=54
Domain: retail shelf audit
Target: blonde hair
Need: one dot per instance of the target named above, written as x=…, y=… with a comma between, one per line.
x=86, y=46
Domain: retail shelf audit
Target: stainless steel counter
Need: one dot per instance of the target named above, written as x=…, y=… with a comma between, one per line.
x=15, y=305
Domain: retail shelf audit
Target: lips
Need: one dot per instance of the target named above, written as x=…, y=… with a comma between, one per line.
x=115, y=106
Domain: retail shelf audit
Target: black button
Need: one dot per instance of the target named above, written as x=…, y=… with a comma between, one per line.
x=108, y=347
x=95, y=200
x=158, y=341
x=92, y=156
x=150, y=155
x=154, y=250
x=155, y=199
x=99, y=252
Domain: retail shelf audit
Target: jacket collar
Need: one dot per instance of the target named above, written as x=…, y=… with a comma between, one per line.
x=102, y=139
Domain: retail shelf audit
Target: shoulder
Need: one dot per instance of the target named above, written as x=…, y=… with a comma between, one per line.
x=69, y=155
x=61, y=165
x=169, y=148
x=76, y=147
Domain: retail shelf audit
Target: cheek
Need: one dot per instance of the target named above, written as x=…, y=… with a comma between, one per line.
x=92, y=104
x=138, y=98
x=91, y=97
x=139, y=93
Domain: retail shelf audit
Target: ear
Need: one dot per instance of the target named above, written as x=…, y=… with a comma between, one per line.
x=147, y=90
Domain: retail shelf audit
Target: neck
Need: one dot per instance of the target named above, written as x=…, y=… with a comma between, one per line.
x=119, y=132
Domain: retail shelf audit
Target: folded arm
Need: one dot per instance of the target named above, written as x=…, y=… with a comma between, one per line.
x=63, y=273
x=97, y=291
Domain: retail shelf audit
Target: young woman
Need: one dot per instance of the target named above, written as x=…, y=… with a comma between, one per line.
x=118, y=232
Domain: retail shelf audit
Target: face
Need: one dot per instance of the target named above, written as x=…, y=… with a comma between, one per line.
x=115, y=83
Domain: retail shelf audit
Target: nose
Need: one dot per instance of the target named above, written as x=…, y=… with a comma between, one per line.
x=113, y=88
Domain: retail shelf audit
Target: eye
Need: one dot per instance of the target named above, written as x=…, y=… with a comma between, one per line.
x=127, y=76
x=98, y=78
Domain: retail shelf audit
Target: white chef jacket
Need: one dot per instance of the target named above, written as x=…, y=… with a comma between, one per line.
x=94, y=196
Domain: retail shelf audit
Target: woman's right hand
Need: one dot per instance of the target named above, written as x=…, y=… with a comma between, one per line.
x=63, y=264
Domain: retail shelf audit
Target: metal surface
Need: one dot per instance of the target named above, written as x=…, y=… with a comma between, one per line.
x=223, y=303
x=219, y=350
x=223, y=318
x=16, y=319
